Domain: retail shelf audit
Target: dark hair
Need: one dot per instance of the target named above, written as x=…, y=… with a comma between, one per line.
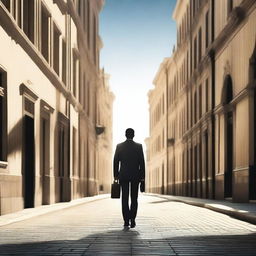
x=129, y=133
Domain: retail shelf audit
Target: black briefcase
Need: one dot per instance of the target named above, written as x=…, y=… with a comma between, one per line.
x=115, y=190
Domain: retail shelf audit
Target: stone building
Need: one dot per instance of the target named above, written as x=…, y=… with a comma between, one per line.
x=211, y=101
x=104, y=141
x=49, y=75
x=234, y=49
x=156, y=144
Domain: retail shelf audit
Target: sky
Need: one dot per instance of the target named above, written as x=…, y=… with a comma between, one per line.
x=137, y=36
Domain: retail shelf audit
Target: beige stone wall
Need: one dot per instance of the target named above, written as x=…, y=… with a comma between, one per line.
x=104, y=140
x=63, y=104
x=214, y=155
x=233, y=59
x=156, y=149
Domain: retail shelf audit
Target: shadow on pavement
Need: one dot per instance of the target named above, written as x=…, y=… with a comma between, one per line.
x=164, y=201
x=131, y=242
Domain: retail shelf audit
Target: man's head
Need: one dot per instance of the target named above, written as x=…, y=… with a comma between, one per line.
x=129, y=133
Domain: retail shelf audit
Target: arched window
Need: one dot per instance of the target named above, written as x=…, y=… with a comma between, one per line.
x=227, y=91
x=252, y=68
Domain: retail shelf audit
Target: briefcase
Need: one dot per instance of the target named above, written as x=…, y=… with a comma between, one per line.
x=115, y=190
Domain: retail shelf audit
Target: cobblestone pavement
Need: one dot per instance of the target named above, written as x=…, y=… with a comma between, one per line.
x=163, y=228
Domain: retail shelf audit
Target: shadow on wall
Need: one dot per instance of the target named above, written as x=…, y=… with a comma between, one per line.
x=15, y=138
x=129, y=242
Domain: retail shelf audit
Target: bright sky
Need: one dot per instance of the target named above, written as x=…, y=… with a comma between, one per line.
x=137, y=36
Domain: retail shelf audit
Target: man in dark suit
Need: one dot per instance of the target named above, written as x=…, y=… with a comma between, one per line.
x=129, y=169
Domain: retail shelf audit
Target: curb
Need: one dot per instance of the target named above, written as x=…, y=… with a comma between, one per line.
x=234, y=213
x=41, y=210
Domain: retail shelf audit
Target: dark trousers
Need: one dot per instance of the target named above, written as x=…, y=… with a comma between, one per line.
x=129, y=187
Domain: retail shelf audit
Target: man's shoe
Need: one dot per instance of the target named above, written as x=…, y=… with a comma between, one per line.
x=126, y=224
x=133, y=223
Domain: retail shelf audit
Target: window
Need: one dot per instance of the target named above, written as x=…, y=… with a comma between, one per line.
x=254, y=69
x=191, y=109
x=80, y=7
x=195, y=53
x=206, y=96
x=207, y=29
x=64, y=61
x=3, y=116
x=56, y=49
x=81, y=85
x=191, y=59
x=88, y=23
x=195, y=108
x=200, y=101
x=187, y=68
x=28, y=19
x=45, y=32
x=199, y=44
x=75, y=72
x=163, y=104
x=163, y=139
x=83, y=92
x=88, y=99
x=95, y=39
x=75, y=152
x=84, y=14
x=194, y=8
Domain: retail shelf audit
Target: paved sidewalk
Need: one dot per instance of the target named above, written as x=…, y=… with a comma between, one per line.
x=44, y=209
x=241, y=211
x=164, y=227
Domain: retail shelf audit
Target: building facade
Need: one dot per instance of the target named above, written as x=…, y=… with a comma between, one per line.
x=105, y=137
x=49, y=75
x=156, y=144
x=211, y=101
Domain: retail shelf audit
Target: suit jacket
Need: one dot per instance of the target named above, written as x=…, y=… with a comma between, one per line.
x=129, y=164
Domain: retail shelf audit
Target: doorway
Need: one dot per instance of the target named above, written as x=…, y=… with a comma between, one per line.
x=64, y=161
x=252, y=171
x=206, y=165
x=28, y=162
x=229, y=155
x=163, y=180
x=45, y=160
x=227, y=96
x=195, y=192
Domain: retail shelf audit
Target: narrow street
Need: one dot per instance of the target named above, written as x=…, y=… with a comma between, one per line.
x=163, y=228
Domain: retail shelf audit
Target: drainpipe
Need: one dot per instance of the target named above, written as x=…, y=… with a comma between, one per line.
x=167, y=151
x=212, y=56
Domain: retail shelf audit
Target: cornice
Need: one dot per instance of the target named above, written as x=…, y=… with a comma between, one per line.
x=204, y=120
x=161, y=71
x=220, y=108
x=236, y=18
x=27, y=91
x=46, y=107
